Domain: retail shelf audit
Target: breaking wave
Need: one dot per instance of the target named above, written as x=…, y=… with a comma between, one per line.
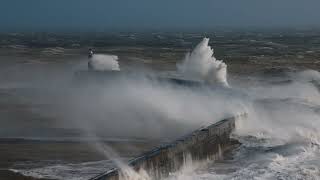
x=100, y=62
x=201, y=64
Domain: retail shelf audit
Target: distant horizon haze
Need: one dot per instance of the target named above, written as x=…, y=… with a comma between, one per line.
x=101, y=15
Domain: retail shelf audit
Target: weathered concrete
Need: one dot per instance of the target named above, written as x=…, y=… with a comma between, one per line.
x=205, y=143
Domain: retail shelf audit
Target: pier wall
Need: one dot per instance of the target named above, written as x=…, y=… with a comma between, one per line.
x=205, y=143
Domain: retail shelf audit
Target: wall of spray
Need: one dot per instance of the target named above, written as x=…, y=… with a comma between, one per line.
x=201, y=64
x=103, y=62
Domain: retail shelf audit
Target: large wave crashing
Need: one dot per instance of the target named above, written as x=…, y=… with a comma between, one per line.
x=202, y=65
x=101, y=62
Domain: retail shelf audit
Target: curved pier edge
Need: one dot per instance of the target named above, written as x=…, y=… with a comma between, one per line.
x=205, y=143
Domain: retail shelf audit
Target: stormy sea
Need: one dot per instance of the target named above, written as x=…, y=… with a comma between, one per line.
x=59, y=122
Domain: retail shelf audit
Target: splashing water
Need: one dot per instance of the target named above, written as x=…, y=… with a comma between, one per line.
x=101, y=62
x=202, y=65
x=126, y=172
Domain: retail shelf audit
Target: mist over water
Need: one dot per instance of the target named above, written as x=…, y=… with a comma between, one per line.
x=152, y=105
x=280, y=137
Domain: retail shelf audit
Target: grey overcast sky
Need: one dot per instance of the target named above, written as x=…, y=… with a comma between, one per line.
x=156, y=14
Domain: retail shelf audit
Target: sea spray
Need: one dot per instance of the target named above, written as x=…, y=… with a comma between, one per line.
x=200, y=64
x=126, y=172
x=102, y=62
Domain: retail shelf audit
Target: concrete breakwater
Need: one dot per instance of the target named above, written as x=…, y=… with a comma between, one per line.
x=205, y=143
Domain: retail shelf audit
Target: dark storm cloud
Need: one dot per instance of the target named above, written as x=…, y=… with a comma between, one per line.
x=109, y=14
